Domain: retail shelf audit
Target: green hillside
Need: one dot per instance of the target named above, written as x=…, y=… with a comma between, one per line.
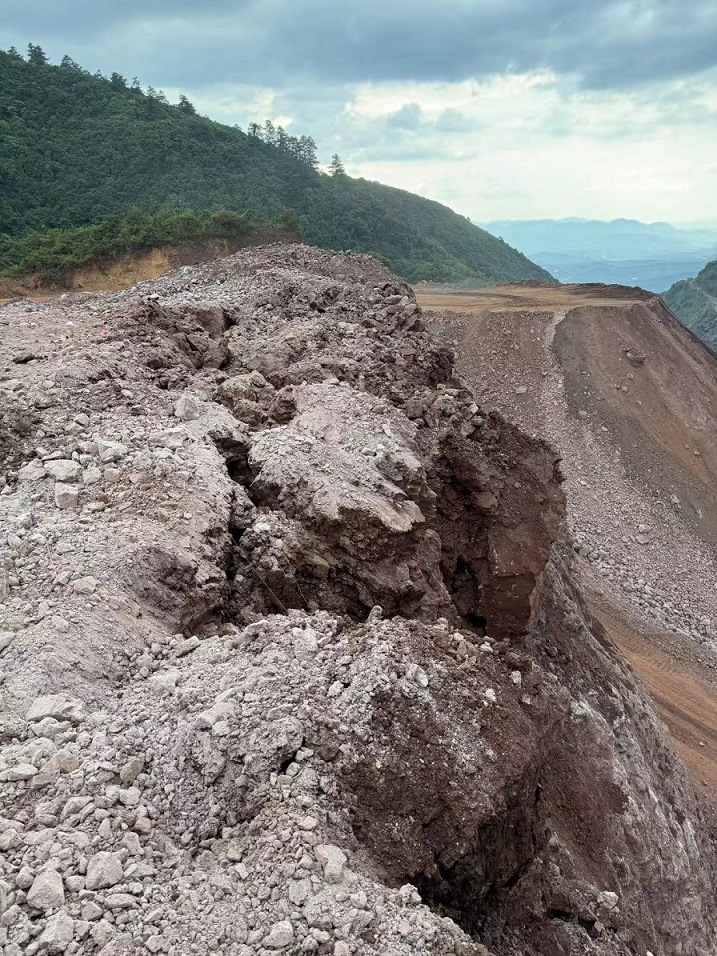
x=77, y=149
x=694, y=302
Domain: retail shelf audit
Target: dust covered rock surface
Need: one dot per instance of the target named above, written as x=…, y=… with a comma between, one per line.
x=292, y=658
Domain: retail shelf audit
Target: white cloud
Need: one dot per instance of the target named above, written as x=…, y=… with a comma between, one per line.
x=538, y=146
x=534, y=145
x=502, y=109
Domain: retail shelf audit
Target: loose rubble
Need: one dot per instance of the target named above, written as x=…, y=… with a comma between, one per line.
x=649, y=545
x=292, y=657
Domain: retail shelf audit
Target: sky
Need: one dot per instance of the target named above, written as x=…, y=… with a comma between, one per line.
x=502, y=109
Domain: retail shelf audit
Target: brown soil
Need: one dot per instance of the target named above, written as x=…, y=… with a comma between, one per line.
x=568, y=346
x=681, y=679
x=513, y=298
x=660, y=414
x=127, y=271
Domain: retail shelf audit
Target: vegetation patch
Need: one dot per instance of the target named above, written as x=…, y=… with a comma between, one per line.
x=55, y=252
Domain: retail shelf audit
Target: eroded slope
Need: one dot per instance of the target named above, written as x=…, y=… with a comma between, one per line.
x=291, y=643
x=628, y=397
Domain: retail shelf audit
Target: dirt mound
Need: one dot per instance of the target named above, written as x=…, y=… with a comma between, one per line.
x=293, y=656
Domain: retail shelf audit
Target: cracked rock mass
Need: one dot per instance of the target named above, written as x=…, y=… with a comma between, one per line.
x=292, y=656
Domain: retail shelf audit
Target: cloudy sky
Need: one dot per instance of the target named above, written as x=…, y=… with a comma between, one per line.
x=510, y=109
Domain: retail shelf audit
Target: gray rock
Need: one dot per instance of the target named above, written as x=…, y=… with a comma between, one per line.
x=59, y=706
x=47, y=891
x=130, y=797
x=188, y=408
x=120, y=901
x=91, y=911
x=66, y=496
x=91, y=476
x=131, y=769
x=32, y=471
x=332, y=859
x=110, y=450
x=306, y=645
x=280, y=935
x=104, y=869
x=21, y=771
x=58, y=934
x=186, y=647
x=63, y=469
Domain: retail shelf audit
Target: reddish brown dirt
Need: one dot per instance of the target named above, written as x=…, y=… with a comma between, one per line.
x=665, y=410
x=516, y=297
x=568, y=346
x=137, y=267
x=661, y=414
x=681, y=679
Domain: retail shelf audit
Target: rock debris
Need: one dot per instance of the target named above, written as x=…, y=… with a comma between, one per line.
x=292, y=656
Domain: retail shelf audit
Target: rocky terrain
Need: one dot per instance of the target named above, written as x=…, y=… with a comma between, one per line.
x=628, y=397
x=293, y=658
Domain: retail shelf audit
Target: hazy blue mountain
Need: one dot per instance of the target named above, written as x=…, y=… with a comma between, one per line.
x=652, y=255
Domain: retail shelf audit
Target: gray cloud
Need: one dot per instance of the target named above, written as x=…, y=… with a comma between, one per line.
x=604, y=43
x=409, y=117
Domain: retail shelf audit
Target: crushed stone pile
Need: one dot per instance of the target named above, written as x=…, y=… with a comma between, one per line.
x=292, y=659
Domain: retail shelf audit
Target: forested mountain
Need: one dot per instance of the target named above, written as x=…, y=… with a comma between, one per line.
x=694, y=302
x=77, y=149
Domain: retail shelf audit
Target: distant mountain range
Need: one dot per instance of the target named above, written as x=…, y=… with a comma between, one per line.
x=651, y=255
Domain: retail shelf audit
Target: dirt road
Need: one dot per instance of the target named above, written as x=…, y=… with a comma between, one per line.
x=515, y=298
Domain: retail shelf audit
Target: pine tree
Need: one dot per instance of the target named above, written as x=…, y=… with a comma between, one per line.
x=269, y=133
x=36, y=55
x=336, y=167
x=185, y=106
x=308, y=151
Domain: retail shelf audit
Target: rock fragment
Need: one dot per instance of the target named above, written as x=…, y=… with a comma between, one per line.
x=47, y=891
x=104, y=869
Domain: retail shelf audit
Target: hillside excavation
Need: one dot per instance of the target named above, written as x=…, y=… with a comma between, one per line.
x=306, y=641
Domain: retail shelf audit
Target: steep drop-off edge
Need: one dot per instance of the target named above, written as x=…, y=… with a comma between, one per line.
x=309, y=623
x=628, y=396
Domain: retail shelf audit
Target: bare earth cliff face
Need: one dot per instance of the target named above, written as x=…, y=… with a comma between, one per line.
x=292, y=658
